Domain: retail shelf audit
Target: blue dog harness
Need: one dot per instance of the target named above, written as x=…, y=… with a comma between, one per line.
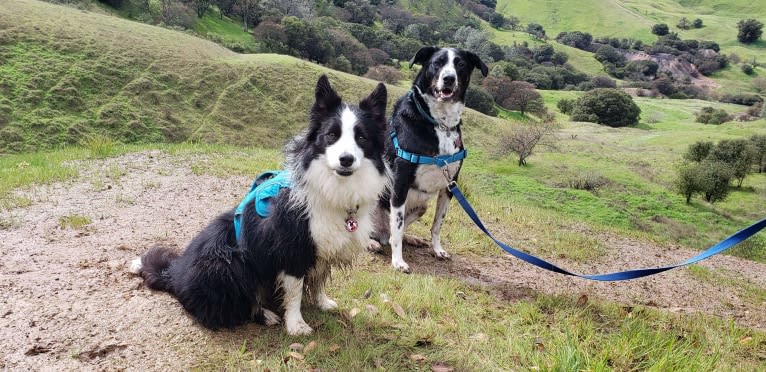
x=441, y=160
x=265, y=187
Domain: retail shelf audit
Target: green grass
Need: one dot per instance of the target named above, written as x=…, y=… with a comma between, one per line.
x=464, y=327
x=224, y=30
x=74, y=221
x=18, y=171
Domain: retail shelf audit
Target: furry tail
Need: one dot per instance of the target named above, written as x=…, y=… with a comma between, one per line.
x=153, y=265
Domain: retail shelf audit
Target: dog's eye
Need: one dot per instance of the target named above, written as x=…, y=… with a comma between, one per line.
x=361, y=138
x=331, y=136
x=461, y=64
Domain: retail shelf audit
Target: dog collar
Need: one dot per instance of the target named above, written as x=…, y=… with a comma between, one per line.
x=441, y=160
x=423, y=113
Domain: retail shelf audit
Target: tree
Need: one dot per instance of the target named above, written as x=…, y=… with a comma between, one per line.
x=698, y=151
x=747, y=69
x=480, y=100
x=759, y=84
x=689, y=180
x=507, y=69
x=607, y=106
x=608, y=53
x=543, y=53
x=759, y=145
x=498, y=86
x=523, y=139
x=750, y=30
x=603, y=82
x=737, y=155
x=660, y=29
x=536, y=30
x=477, y=41
x=715, y=177
x=710, y=115
x=201, y=6
x=697, y=23
x=386, y=74
x=683, y=24
x=523, y=98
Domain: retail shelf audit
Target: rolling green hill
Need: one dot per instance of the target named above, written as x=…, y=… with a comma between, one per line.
x=67, y=74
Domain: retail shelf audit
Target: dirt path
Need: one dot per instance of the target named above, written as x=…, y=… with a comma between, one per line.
x=67, y=303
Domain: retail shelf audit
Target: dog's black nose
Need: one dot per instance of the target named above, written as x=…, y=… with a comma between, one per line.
x=346, y=160
x=449, y=79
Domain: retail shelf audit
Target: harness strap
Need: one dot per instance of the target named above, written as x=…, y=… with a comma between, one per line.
x=725, y=244
x=441, y=160
x=265, y=187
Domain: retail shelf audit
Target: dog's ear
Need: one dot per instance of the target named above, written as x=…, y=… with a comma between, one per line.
x=477, y=63
x=326, y=99
x=375, y=103
x=423, y=55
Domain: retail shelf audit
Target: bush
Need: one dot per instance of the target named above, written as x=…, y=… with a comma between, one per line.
x=480, y=100
x=565, y=106
x=386, y=74
x=750, y=30
x=738, y=155
x=710, y=115
x=683, y=24
x=608, y=53
x=603, y=82
x=607, y=106
x=698, y=151
x=697, y=23
x=577, y=39
x=178, y=14
x=660, y=29
x=759, y=84
x=747, y=69
x=536, y=30
x=741, y=99
x=523, y=98
x=507, y=69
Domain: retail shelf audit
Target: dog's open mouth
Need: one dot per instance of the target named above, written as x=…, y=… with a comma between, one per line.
x=444, y=93
x=344, y=172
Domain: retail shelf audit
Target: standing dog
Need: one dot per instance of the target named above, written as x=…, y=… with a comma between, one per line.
x=426, y=150
x=336, y=173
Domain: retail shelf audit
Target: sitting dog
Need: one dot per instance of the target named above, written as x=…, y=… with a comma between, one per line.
x=426, y=149
x=319, y=215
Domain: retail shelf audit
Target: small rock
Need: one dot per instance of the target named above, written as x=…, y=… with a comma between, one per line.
x=461, y=294
x=441, y=367
x=296, y=346
x=384, y=298
x=367, y=293
x=371, y=309
x=333, y=348
x=417, y=358
x=311, y=346
x=353, y=312
x=296, y=355
x=398, y=310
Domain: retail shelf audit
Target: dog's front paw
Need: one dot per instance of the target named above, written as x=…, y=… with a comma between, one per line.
x=135, y=266
x=298, y=328
x=442, y=254
x=270, y=318
x=374, y=246
x=400, y=265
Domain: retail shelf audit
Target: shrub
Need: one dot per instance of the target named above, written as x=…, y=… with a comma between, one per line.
x=536, y=30
x=607, y=106
x=386, y=74
x=710, y=115
x=507, y=69
x=747, y=69
x=608, y=53
x=758, y=142
x=523, y=98
x=565, y=106
x=741, y=99
x=178, y=14
x=660, y=29
x=689, y=180
x=698, y=151
x=603, y=82
x=750, y=30
x=480, y=100
x=522, y=140
x=683, y=23
x=577, y=39
x=697, y=23
x=738, y=155
x=715, y=177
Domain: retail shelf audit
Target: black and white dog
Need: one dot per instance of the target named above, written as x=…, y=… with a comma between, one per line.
x=337, y=173
x=426, y=123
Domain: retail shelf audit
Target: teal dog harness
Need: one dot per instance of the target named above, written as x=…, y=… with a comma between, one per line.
x=265, y=187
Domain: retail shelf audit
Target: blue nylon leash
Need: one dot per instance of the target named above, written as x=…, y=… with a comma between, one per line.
x=725, y=244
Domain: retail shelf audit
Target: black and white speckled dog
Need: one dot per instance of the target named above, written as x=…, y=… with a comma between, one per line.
x=426, y=122
x=336, y=174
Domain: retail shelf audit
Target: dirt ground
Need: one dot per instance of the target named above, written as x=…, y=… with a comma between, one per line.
x=68, y=303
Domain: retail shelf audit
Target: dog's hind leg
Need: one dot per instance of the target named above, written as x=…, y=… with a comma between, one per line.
x=293, y=293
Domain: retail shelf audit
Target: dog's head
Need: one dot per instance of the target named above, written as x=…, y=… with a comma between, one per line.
x=446, y=72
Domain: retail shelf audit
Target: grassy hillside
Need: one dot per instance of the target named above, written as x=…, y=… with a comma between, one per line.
x=68, y=74
x=634, y=18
